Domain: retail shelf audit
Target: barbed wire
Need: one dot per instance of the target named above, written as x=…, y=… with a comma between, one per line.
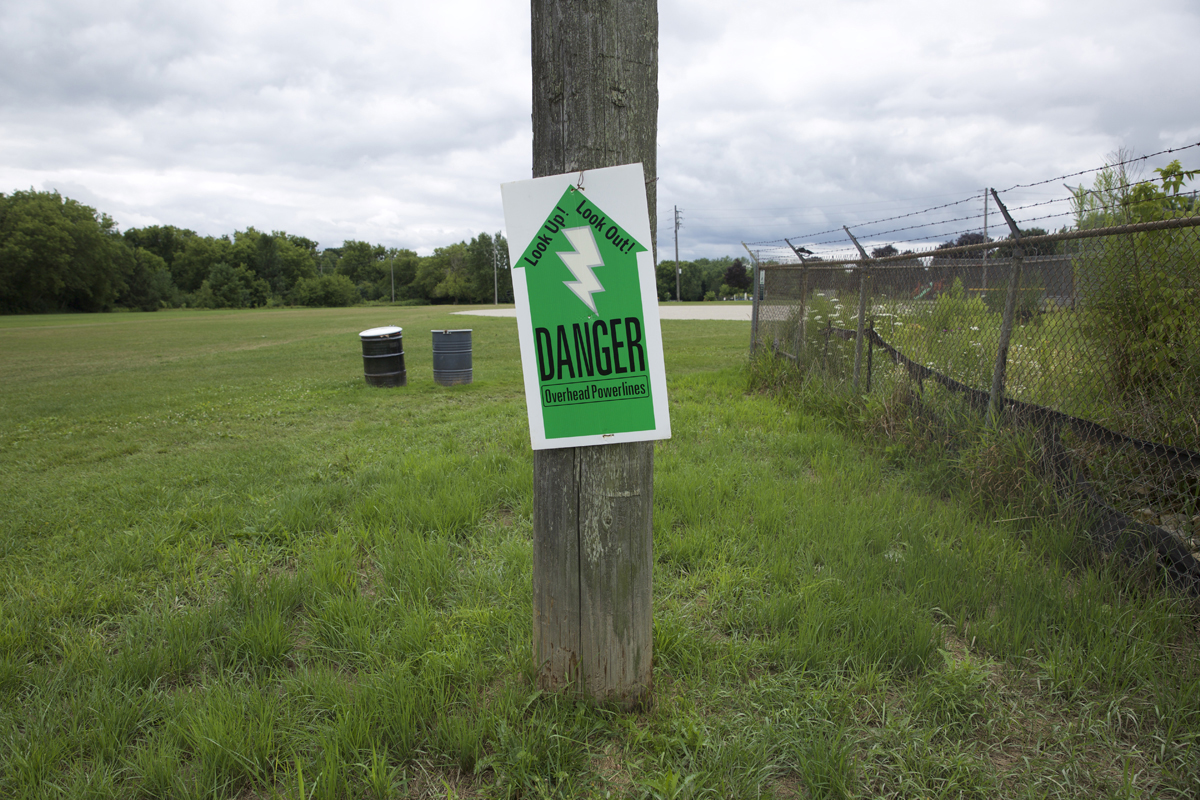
x=807, y=236
x=957, y=233
x=1043, y=203
x=1097, y=169
x=808, y=239
x=894, y=201
x=905, y=259
x=840, y=243
x=898, y=230
x=1013, y=210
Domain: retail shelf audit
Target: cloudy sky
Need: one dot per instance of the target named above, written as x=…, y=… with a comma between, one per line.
x=395, y=122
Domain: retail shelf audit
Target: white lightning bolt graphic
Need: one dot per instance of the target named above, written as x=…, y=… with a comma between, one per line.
x=580, y=262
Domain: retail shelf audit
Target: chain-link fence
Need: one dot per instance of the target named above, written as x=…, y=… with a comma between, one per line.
x=1091, y=336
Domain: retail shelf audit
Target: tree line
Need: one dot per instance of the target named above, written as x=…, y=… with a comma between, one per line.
x=57, y=254
x=703, y=279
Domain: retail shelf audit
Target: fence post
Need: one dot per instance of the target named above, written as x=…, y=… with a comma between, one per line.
x=802, y=328
x=996, y=398
x=754, y=307
x=870, y=351
x=864, y=276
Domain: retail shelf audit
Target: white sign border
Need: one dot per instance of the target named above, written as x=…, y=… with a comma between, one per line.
x=621, y=193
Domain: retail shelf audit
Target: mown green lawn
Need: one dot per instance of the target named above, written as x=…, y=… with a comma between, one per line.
x=229, y=568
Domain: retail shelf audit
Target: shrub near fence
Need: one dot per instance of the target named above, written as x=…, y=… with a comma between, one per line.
x=1096, y=345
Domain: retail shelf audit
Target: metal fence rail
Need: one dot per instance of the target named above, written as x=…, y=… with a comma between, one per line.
x=1092, y=335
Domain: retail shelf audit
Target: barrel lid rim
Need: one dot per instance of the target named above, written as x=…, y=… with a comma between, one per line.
x=381, y=332
x=452, y=330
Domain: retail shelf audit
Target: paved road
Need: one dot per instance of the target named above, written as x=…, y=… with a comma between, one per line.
x=706, y=311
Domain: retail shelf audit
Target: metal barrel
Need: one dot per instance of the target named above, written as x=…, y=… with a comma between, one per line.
x=383, y=356
x=452, y=357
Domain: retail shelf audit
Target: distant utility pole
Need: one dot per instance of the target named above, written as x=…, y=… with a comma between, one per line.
x=499, y=259
x=678, y=270
x=393, y=276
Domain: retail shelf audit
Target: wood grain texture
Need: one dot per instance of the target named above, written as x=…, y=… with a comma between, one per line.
x=595, y=104
x=595, y=88
x=556, y=629
x=616, y=501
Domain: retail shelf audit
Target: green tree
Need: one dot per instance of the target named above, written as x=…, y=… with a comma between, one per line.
x=164, y=241
x=428, y=275
x=696, y=278
x=487, y=268
x=664, y=278
x=273, y=257
x=691, y=282
x=404, y=263
x=295, y=261
x=307, y=245
x=327, y=260
x=478, y=269
x=445, y=274
x=229, y=286
x=504, y=269
x=146, y=282
x=962, y=241
x=737, y=277
x=56, y=253
x=1005, y=248
x=325, y=290
x=195, y=260
x=361, y=262
x=712, y=274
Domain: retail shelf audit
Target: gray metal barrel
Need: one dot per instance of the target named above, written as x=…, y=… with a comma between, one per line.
x=452, y=357
x=383, y=356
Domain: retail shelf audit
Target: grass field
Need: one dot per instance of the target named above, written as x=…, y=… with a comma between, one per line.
x=228, y=568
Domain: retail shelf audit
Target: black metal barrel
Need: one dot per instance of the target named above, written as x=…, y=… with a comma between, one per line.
x=452, y=357
x=383, y=356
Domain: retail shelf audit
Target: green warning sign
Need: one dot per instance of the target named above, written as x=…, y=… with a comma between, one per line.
x=592, y=354
x=585, y=305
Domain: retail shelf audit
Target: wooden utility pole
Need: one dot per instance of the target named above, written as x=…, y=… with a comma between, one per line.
x=678, y=271
x=595, y=104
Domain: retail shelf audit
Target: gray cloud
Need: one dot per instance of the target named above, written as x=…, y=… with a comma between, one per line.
x=396, y=122
x=843, y=113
